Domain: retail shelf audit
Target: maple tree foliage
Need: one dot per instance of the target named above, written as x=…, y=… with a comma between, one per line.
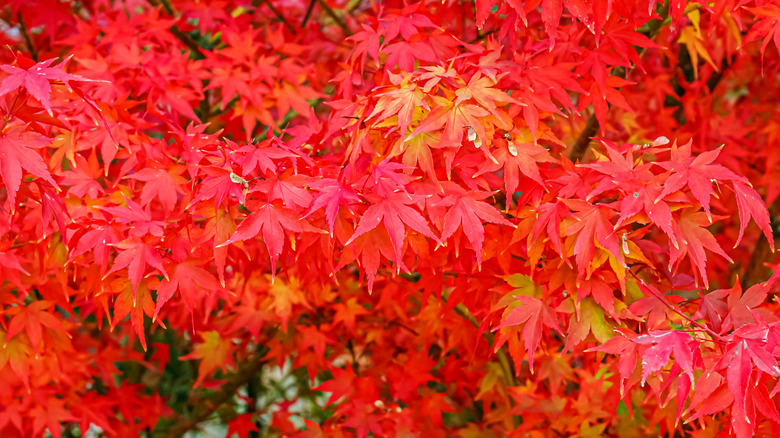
x=314, y=218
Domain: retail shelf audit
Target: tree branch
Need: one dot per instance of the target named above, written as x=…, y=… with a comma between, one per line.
x=756, y=272
x=27, y=39
x=307, y=15
x=582, y=143
x=246, y=372
x=185, y=39
x=580, y=146
x=682, y=314
x=290, y=27
x=335, y=17
x=503, y=360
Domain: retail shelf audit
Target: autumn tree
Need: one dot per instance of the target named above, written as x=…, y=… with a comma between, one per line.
x=314, y=218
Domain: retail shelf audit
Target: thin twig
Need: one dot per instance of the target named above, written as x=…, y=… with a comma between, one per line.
x=308, y=13
x=276, y=12
x=674, y=309
x=756, y=271
x=582, y=143
x=482, y=36
x=335, y=17
x=580, y=146
x=246, y=372
x=503, y=360
x=187, y=40
x=27, y=39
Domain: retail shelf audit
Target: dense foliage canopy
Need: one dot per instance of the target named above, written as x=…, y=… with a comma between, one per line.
x=317, y=218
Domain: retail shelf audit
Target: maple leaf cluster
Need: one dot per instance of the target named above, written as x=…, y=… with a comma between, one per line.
x=349, y=218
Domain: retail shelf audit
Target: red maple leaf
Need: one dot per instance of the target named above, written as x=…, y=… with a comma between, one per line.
x=394, y=212
x=468, y=212
x=536, y=315
x=272, y=222
x=16, y=153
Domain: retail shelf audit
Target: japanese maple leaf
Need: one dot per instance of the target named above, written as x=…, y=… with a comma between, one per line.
x=695, y=238
x=417, y=152
x=367, y=43
x=288, y=187
x=738, y=376
x=394, y=212
x=370, y=247
x=163, y=184
x=140, y=217
x=516, y=158
x=83, y=179
x=548, y=220
x=32, y=318
x=768, y=26
x=750, y=205
x=135, y=256
x=186, y=276
x=468, y=211
x=36, y=79
x=695, y=42
x=536, y=315
x=742, y=308
x=626, y=349
x=219, y=183
x=16, y=353
x=454, y=118
x=242, y=425
x=695, y=172
x=656, y=305
x=480, y=88
x=11, y=266
x=16, y=153
x=588, y=317
x=341, y=385
x=263, y=156
x=97, y=240
x=601, y=292
x=713, y=307
x=406, y=53
x=50, y=417
x=665, y=342
x=332, y=194
x=218, y=230
x=214, y=353
x=272, y=222
x=400, y=100
x=387, y=177
x=348, y=312
x=284, y=297
x=135, y=303
x=591, y=225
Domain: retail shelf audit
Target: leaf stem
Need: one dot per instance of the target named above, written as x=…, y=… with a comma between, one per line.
x=674, y=309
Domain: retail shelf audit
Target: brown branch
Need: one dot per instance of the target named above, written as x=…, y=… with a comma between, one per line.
x=482, y=36
x=756, y=271
x=276, y=12
x=582, y=143
x=503, y=360
x=307, y=15
x=246, y=372
x=580, y=146
x=682, y=314
x=184, y=38
x=335, y=18
x=27, y=39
